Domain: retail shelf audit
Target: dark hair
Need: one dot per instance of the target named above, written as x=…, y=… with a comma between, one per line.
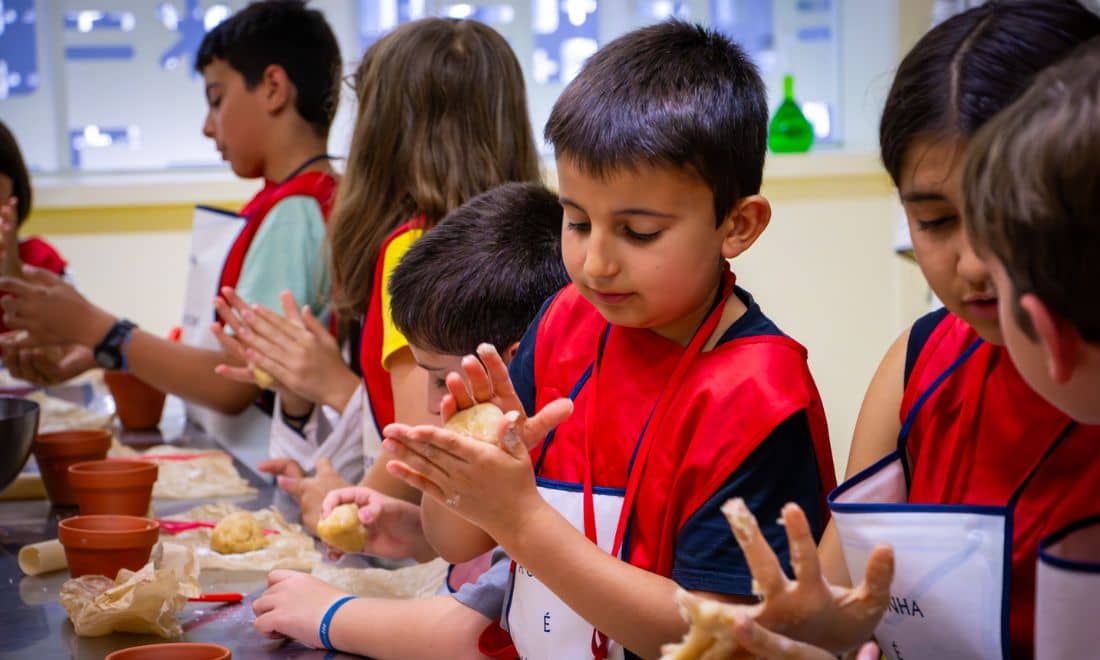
x=1032, y=192
x=11, y=164
x=671, y=93
x=966, y=69
x=482, y=273
x=442, y=117
x=287, y=34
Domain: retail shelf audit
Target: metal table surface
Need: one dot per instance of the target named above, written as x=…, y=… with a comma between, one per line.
x=33, y=624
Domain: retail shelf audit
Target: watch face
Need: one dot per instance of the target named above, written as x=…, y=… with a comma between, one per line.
x=108, y=359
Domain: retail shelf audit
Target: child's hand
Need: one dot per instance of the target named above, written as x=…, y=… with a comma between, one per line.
x=490, y=485
x=281, y=467
x=51, y=310
x=490, y=383
x=293, y=606
x=807, y=609
x=741, y=638
x=393, y=525
x=309, y=492
x=48, y=365
x=297, y=350
x=12, y=264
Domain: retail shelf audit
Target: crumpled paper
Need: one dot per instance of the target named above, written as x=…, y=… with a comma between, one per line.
x=210, y=475
x=417, y=581
x=145, y=602
x=290, y=548
x=61, y=415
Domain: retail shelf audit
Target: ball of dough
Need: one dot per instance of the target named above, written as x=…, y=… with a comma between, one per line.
x=479, y=422
x=263, y=379
x=342, y=530
x=238, y=532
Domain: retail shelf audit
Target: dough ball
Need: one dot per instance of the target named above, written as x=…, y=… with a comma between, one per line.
x=479, y=422
x=263, y=379
x=238, y=532
x=342, y=530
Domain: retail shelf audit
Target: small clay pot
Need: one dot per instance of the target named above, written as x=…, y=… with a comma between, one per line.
x=173, y=651
x=118, y=486
x=101, y=545
x=55, y=452
x=139, y=405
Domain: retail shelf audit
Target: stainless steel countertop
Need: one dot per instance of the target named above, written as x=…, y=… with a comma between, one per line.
x=33, y=625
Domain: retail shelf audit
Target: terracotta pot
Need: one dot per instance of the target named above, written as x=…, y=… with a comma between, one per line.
x=139, y=404
x=173, y=651
x=55, y=452
x=101, y=545
x=113, y=485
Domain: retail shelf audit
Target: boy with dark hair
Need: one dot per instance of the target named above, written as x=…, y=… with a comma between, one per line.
x=685, y=393
x=1032, y=208
x=478, y=276
x=269, y=118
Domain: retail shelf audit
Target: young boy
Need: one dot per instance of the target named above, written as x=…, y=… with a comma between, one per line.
x=480, y=275
x=684, y=393
x=1032, y=193
x=1032, y=196
x=271, y=75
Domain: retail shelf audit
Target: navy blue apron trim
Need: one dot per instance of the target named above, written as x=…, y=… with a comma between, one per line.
x=903, y=435
x=1069, y=564
x=1006, y=585
x=447, y=580
x=552, y=434
x=570, y=487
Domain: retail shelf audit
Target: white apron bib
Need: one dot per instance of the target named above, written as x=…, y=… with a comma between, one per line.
x=952, y=563
x=1067, y=610
x=541, y=625
x=212, y=234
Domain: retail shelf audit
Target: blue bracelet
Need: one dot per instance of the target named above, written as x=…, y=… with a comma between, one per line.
x=327, y=619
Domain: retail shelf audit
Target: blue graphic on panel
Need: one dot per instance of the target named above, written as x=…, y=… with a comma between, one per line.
x=91, y=20
x=91, y=137
x=18, y=48
x=566, y=34
x=121, y=52
x=192, y=26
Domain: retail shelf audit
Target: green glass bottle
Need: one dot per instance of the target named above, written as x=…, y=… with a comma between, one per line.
x=790, y=132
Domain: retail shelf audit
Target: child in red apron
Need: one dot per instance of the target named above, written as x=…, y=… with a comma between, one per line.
x=683, y=392
x=436, y=126
x=975, y=467
x=270, y=76
x=1038, y=229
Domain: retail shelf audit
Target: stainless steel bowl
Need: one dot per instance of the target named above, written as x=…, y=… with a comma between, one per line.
x=18, y=426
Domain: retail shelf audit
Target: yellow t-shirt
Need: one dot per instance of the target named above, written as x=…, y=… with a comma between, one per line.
x=392, y=339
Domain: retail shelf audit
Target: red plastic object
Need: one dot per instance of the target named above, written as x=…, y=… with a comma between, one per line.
x=226, y=597
x=177, y=526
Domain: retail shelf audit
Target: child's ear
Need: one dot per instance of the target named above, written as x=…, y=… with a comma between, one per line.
x=510, y=352
x=746, y=221
x=1059, y=341
x=277, y=90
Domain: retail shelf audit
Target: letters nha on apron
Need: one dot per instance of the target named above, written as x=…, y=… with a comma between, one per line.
x=953, y=562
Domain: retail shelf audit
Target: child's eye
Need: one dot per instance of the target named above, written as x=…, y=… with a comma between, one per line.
x=644, y=238
x=937, y=223
x=577, y=226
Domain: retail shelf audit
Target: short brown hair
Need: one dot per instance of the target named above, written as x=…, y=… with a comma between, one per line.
x=1032, y=192
x=481, y=274
x=674, y=94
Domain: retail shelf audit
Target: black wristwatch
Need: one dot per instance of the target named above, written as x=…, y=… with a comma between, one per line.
x=108, y=353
